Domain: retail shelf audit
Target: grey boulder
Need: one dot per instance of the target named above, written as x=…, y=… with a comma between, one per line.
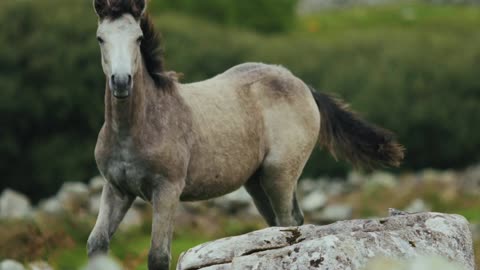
x=343, y=245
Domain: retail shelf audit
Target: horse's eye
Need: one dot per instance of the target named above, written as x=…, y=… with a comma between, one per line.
x=100, y=40
x=139, y=40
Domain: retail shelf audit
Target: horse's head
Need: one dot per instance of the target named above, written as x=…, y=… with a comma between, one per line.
x=120, y=36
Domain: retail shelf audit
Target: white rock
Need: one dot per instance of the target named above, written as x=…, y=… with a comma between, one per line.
x=356, y=178
x=51, y=206
x=96, y=184
x=381, y=179
x=342, y=245
x=418, y=205
x=132, y=219
x=430, y=175
x=11, y=265
x=102, y=263
x=307, y=185
x=94, y=203
x=314, y=201
x=39, y=266
x=419, y=263
x=471, y=180
x=139, y=203
x=235, y=201
x=73, y=195
x=14, y=205
x=336, y=186
x=334, y=212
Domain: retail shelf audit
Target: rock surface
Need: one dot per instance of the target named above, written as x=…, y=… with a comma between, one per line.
x=314, y=201
x=11, y=265
x=14, y=205
x=73, y=196
x=102, y=263
x=419, y=263
x=234, y=202
x=342, y=245
x=39, y=266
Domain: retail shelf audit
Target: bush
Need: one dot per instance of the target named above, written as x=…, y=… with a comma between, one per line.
x=422, y=85
x=260, y=15
x=51, y=100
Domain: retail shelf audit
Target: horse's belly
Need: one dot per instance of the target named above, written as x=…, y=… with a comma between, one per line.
x=218, y=175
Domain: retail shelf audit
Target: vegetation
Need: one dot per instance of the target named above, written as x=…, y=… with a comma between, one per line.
x=267, y=16
x=61, y=240
x=410, y=68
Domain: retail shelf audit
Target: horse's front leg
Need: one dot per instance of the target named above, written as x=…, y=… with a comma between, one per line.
x=113, y=207
x=165, y=199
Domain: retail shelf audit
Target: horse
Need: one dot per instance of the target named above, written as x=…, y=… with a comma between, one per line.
x=255, y=125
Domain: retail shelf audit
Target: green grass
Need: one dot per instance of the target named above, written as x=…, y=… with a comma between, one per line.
x=417, y=17
x=130, y=248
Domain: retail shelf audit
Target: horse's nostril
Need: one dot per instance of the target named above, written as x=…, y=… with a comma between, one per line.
x=113, y=78
x=129, y=80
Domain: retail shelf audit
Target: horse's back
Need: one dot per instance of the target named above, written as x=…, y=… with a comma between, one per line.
x=241, y=117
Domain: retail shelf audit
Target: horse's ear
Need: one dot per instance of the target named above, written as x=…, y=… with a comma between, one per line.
x=139, y=7
x=101, y=7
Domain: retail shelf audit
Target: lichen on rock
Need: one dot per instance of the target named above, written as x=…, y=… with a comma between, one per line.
x=342, y=245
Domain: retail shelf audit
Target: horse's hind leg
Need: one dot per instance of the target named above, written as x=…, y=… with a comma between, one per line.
x=279, y=184
x=260, y=198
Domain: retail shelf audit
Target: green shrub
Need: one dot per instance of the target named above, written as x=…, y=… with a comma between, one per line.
x=51, y=100
x=259, y=15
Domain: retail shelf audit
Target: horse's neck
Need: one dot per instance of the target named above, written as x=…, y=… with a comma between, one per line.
x=123, y=117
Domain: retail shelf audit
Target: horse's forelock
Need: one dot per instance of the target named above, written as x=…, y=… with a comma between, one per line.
x=115, y=8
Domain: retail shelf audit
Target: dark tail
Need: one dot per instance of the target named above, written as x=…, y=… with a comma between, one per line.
x=348, y=136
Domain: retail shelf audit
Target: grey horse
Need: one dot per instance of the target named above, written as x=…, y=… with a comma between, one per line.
x=255, y=125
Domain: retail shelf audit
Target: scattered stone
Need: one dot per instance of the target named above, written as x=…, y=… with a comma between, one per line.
x=382, y=180
x=39, y=266
x=430, y=175
x=314, y=201
x=51, y=206
x=139, y=203
x=470, y=180
x=102, y=263
x=132, y=219
x=14, y=205
x=333, y=212
x=342, y=245
x=418, y=205
x=96, y=184
x=11, y=265
x=94, y=203
x=356, y=178
x=419, y=263
x=73, y=196
x=234, y=202
x=306, y=186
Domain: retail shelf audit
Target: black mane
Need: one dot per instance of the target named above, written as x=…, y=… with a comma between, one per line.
x=151, y=46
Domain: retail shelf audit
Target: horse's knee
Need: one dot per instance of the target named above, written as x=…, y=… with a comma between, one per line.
x=158, y=260
x=97, y=245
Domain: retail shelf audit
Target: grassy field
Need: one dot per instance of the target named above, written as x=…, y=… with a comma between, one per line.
x=61, y=241
x=412, y=17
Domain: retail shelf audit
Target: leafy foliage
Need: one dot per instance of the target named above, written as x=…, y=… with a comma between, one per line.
x=260, y=15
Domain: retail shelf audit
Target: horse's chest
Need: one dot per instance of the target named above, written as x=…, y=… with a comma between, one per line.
x=124, y=168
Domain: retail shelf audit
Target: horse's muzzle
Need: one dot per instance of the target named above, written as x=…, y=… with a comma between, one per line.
x=121, y=85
